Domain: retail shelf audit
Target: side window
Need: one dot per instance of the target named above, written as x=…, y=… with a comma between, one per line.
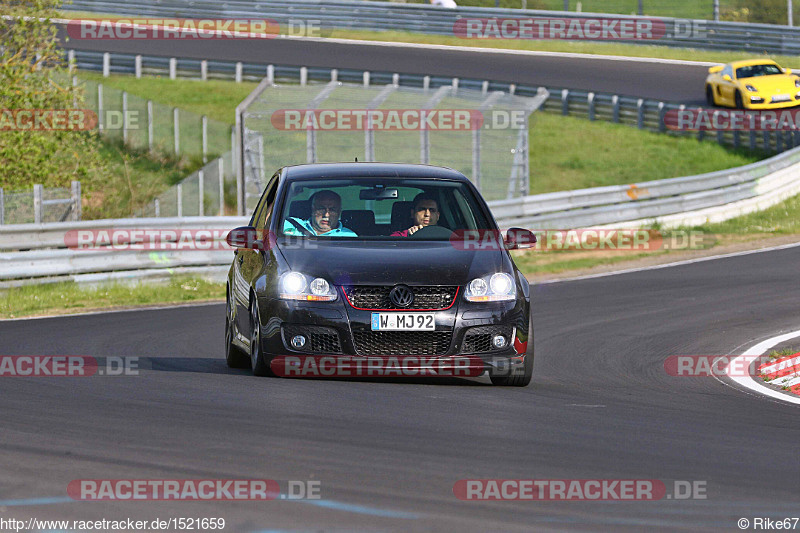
x=728, y=70
x=268, y=201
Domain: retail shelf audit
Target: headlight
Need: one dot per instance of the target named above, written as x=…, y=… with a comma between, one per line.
x=498, y=287
x=296, y=286
x=751, y=88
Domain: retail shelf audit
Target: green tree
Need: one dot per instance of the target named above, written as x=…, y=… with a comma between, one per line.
x=33, y=77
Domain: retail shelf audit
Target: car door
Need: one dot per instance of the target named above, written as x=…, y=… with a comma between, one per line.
x=727, y=89
x=247, y=264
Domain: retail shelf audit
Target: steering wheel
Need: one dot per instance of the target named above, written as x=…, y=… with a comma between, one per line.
x=431, y=232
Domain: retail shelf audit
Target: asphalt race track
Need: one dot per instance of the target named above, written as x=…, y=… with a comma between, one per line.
x=387, y=453
x=682, y=83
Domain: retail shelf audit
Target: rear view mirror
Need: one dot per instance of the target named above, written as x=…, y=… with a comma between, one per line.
x=245, y=237
x=519, y=239
x=378, y=193
x=726, y=78
x=787, y=71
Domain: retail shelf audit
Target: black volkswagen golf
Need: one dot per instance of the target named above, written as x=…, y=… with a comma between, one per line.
x=370, y=266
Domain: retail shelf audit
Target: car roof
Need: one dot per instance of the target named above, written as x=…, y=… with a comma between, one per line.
x=750, y=62
x=371, y=170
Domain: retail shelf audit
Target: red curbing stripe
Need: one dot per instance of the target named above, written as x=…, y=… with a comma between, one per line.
x=781, y=367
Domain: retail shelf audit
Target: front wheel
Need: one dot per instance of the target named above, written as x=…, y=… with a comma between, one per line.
x=234, y=357
x=738, y=99
x=710, y=97
x=519, y=376
x=257, y=363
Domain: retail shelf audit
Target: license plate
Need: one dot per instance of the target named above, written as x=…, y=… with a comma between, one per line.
x=781, y=98
x=403, y=322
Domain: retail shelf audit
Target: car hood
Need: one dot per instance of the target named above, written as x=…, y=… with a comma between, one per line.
x=377, y=263
x=777, y=84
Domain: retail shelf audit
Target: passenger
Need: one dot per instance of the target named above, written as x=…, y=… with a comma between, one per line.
x=326, y=206
x=424, y=213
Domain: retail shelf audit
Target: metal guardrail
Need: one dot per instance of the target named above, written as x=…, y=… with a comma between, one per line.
x=31, y=253
x=753, y=38
x=642, y=113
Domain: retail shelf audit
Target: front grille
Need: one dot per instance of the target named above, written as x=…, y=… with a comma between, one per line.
x=402, y=342
x=377, y=297
x=479, y=339
x=319, y=339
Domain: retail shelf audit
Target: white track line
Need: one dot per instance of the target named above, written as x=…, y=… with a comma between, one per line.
x=744, y=360
x=131, y=310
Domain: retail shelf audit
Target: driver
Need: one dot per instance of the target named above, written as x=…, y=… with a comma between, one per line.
x=326, y=206
x=425, y=212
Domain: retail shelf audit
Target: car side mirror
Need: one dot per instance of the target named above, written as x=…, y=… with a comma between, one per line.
x=787, y=71
x=714, y=70
x=519, y=239
x=727, y=77
x=245, y=237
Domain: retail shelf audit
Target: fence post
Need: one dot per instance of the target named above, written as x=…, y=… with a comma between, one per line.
x=615, y=108
x=204, y=70
x=454, y=84
x=173, y=68
x=70, y=61
x=334, y=74
x=238, y=73
x=484, y=87
x=2, y=208
x=157, y=207
x=590, y=104
x=176, y=129
x=137, y=66
x=565, y=102
x=200, y=189
x=37, y=204
x=124, y=117
x=179, y=192
x=100, y=107
x=74, y=91
x=106, y=64
x=204, y=120
x=271, y=74
x=221, y=172
x=365, y=77
x=395, y=79
x=303, y=76
x=512, y=88
x=76, y=200
x=426, y=83
x=150, y=125
x=662, y=127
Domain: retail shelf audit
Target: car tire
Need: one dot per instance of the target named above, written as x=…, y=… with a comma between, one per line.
x=259, y=366
x=520, y=376
x=710, y=102
x=739, y=104
x=234, y=356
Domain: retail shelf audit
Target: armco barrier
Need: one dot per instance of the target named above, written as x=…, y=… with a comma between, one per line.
x=642, y=113
x=753, y=38
x=34, y=253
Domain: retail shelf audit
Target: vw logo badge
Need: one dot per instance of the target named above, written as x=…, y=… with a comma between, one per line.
x=401, y=296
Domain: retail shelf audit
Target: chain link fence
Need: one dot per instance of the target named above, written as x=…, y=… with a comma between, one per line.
x=39, y=204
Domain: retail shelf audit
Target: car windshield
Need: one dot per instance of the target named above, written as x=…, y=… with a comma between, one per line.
x=380, y=209
x=758, y=70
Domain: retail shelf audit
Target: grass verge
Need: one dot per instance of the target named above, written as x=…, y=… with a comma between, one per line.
x=70, y=297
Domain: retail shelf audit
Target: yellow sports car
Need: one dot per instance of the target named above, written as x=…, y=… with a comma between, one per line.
x=752, y=84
